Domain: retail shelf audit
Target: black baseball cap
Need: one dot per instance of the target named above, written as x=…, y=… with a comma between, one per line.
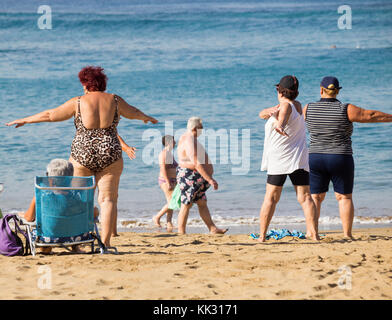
x=288, y=82
x=330, y=82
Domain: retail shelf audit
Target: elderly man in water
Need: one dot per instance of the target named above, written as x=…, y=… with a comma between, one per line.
x=194, y=176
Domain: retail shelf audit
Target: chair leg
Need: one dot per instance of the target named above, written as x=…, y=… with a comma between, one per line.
x=31, y=242
x=98, y=237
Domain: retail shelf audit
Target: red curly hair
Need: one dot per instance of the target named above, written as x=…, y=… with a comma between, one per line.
x=93, y=78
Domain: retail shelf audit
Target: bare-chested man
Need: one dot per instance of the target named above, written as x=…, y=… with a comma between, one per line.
x=194, y=176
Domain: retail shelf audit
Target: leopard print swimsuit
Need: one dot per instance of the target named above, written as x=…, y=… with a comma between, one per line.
x=96, y=149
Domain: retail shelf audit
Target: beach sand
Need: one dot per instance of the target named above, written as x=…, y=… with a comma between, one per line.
x=201, y=266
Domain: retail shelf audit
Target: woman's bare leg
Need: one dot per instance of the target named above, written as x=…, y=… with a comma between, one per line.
x=346, y=211
x=165, y=209
x=114, y=231
x=271, y=198
x=169, y=223
x=80, y=171
x=108, y=181
x=305, y=200
x=318, y=198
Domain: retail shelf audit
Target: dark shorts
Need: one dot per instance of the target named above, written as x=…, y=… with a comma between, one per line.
x=338, y=168
x=299, y=177
x=192, y=185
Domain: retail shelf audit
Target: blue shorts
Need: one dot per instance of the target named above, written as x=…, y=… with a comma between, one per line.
x=338, y=168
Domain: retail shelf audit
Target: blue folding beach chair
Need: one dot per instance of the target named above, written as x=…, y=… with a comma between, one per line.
x=64, y=213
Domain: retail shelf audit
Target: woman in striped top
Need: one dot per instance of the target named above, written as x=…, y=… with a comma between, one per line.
x=330, y=125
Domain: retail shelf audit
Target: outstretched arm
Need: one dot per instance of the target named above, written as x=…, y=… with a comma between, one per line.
x=131, y=112
x=357, y=114
x=130, y=151
x=61, y=113
x=304, y=111
x=268, y=112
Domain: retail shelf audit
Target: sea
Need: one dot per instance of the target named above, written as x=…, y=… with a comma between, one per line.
x=218, y=60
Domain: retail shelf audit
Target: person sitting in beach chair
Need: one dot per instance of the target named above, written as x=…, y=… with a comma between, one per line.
x=64, y=214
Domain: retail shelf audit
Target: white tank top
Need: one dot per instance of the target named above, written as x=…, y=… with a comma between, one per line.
x=284, y=155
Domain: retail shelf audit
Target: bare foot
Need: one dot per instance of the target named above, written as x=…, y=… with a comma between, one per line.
x=115, y=234
x=46, y=250
x=313, y=237
x=261, y=240
x=218, y=231
x=77, y=249
x=169, y=227
x=157, y=221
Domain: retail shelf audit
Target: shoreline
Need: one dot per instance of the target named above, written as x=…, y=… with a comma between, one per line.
x=247, y=229
x=163, y=265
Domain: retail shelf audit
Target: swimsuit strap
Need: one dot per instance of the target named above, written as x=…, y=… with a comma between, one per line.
x=78, y=118
x=116, y=114
x=79, y=105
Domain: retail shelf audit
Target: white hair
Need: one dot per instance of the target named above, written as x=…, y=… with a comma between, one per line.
x=59, y=167
x=193, y=123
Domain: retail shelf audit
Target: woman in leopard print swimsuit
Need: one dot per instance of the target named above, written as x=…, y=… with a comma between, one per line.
x=96, y=148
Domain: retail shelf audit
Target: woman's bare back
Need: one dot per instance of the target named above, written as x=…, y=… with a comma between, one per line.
x=97, y=109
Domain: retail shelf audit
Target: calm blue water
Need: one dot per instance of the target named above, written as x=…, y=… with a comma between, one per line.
x=176, y=59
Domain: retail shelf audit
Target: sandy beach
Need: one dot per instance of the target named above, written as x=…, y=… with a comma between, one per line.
x=201, y=266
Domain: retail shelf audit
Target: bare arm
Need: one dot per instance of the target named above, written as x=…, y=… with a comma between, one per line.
x=202, y=170
x=357, y=114
x=61, y=113
x=131, y=112
x=283, y=118
x=268, y=112
x=304, y=111
x=130, y=151
x=199, y=157
x=30, y=213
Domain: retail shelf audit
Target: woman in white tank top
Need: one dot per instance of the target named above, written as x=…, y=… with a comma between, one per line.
x=286, y=154
x=283, y=154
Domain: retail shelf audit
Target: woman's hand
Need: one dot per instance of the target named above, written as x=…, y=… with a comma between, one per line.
x=131, y=152
x=150, y=119
x=18, y=123
x=267, y=113
x=281, y=131
x=273, y=110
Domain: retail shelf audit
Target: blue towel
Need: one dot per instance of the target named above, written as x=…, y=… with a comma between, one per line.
x=279, y=234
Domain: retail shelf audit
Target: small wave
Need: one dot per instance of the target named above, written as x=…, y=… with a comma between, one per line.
x=146, y=223
x=252, y=221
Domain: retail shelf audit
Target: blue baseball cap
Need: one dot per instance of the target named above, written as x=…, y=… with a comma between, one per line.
x=330, y=83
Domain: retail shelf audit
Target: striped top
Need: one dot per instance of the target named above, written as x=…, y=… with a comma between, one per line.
x=329, y=128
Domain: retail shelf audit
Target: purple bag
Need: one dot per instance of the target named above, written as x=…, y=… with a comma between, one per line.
x=10, y=243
